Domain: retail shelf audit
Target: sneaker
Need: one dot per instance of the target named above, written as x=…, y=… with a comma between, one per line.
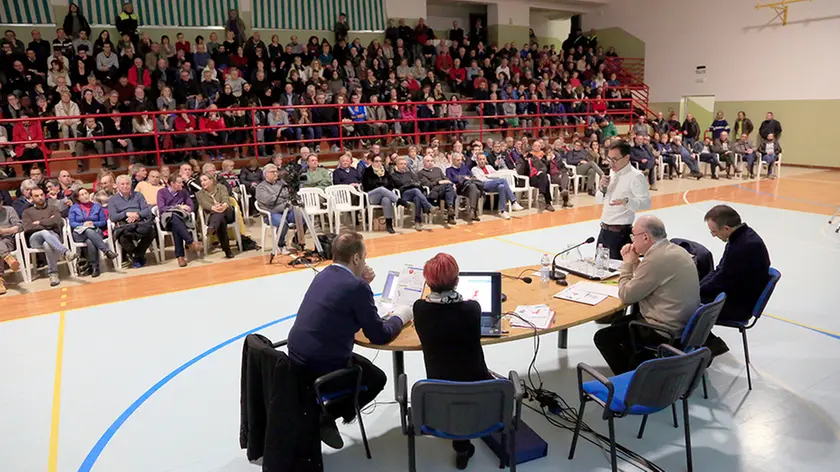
x=70, y=256
x=653, y=188
x=111, y=255
x=549, y=208
x=318, y=149
x=54, y=280
x=504, y=215
x=516, y=207
x=418, y=225
x=138, y=263
x=12, y=262
x=284, y=251
x=182, y=262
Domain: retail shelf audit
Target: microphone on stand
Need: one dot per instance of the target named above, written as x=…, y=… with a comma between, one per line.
x=527, y=280
x=562, y=276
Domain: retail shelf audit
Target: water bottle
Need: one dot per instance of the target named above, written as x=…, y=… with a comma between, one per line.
x=605, y=258
x=545, y=269
x=599, y=263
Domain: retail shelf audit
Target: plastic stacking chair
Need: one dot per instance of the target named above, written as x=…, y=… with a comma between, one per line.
x=693, y=336
x=327, y=397
x=461, y=411
x=743, y=326
x=654, y=386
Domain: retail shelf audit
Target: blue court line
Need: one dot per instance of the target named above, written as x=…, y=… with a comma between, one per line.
x=793, y=199
x=94, y=453
x=106, y=437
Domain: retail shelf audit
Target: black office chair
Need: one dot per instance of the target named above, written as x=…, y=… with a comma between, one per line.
x=325, y=397
x=655, y=385
x=461, y=410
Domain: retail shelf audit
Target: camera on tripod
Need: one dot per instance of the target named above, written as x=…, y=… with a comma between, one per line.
x=294, y=176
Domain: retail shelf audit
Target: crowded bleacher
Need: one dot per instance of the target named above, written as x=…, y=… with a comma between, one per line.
x=432, y=122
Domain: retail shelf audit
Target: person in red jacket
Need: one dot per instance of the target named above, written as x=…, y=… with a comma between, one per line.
x=214, y=128
x=31, y=138
x=458, y=76
x=185, y=122
x=443, y=63
x=138, y=75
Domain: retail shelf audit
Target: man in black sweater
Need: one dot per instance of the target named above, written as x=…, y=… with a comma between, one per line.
x=743, y=271
x=770, y=126
x=339, y=303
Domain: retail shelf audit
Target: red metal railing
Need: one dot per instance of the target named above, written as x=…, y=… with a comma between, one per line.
x=618, y=109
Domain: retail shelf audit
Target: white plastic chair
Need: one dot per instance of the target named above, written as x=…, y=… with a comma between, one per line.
x=576, y=179
x=316, y=203
x=75, y=246
x=18, y=254
x=762, y=165
x=265, y=225
x=115, y=246
x=244, y=201
x=206, y=239
x=371, y=207
x=28, y=253
x=339, y=200
x=163, y=233
x=512, y=177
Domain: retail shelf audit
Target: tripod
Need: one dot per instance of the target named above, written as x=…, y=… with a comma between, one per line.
x=301, y=218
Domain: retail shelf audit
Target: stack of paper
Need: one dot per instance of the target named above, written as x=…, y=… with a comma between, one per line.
x=588, y=293
x=539, y=316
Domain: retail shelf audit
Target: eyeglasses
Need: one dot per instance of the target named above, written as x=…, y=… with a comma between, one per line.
x=633, y=235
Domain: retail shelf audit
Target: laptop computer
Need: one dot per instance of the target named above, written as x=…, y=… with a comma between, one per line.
x=385, y=304
x=486, y=289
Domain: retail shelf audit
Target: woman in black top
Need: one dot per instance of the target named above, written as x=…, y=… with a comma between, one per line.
x=450, y=332
x=376, y=181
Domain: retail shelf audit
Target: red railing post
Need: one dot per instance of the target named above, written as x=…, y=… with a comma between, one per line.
x=157, y=141
x=480, y=115
x=416, y=126
x=44, y=151
x=340, y=132
x=256, y=134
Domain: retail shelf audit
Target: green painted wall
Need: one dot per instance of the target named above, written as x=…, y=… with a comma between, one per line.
x=501, y=34
x=548, y=40
x=625, y=44
x=702, y=113
x=666, y=108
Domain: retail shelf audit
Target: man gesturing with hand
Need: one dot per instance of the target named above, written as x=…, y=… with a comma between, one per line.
x=623, y=192
x=339, y=303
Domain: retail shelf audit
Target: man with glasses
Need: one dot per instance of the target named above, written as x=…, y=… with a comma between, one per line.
x=623, y=192
x=665, y=287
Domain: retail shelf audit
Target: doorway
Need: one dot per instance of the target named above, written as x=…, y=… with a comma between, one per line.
x=478, y=33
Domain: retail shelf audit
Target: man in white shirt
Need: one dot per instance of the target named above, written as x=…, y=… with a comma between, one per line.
x=623, y=192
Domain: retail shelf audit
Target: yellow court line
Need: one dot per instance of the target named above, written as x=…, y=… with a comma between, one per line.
x=56, y=405
x=803, y=325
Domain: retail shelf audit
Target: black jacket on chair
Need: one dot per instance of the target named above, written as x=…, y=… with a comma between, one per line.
x=743, y=272
x=702, y=257
x=279, y=413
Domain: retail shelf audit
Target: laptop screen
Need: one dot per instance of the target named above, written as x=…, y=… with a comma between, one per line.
x=485, y=288
x=391, y=283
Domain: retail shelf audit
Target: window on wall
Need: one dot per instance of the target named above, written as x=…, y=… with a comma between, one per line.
x=161, y=12
x=34, y=12
x=362, y=15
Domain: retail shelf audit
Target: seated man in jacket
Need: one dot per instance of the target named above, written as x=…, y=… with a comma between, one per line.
x=704, y=151
x=742, y=273
x=771, y=150
x=465, y=184
x=579, y=158
x=339, y=303
x=273, y=197
x=747, y=151
x=534, y=167
x=686, y=156
x=43, y=226
x=93, y=130
x=723, y=148
x=642, y=156
x=664, y=284
x=10, y=226
x=132, y=216
x=441, y=189
x=406, y=181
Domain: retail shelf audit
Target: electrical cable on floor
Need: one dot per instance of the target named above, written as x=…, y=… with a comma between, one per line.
x=560, y=414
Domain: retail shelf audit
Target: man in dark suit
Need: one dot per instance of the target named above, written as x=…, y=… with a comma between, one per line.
x=337, y=304
x=743, y=271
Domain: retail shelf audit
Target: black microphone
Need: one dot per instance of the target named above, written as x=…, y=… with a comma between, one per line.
x=527, y=280
x=554, y=276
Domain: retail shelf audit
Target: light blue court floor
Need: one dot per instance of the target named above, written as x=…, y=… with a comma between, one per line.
x=153, y=384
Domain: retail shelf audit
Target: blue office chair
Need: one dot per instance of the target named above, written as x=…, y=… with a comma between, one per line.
x=693, y=336
x=652, y=387
x=325, y=397
x=461, y=411
x=743, y=326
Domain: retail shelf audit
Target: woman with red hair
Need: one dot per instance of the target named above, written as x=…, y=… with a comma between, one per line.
x=450, y=332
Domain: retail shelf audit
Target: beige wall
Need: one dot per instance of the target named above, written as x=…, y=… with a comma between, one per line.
x=625, y=44
x=501, y=34
x=666, y=108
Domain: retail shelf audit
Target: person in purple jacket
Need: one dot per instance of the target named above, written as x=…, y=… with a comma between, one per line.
x=339, y=303
x=175, y=207
x=465, y=184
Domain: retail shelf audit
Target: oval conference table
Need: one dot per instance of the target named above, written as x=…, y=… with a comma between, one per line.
x=567, y=314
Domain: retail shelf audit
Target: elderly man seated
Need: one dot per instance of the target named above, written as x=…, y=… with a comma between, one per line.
x=43, y=226
x=134, y=221
x=493, y=182
x=273, y=197
x=10, y=226
x=441, y=189
x=316, y=176
x=665, y=286
x=406, y=181
x=24, y=199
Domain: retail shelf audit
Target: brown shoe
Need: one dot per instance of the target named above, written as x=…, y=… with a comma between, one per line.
x=549, y=208
x=2, y=287
x=196, y=246
x=13, y=263
x=182, y=262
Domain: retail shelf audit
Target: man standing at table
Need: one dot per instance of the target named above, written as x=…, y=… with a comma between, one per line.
x=339, y=303
x=623, y=192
